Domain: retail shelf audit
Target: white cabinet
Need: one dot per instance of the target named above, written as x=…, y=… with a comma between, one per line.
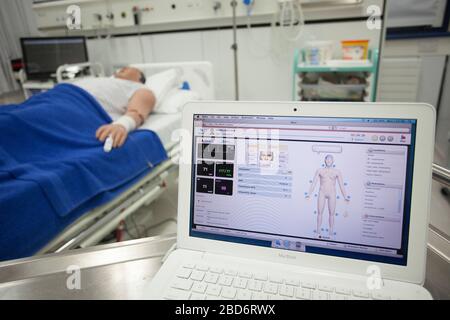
x=412, y=70
x=399, y=79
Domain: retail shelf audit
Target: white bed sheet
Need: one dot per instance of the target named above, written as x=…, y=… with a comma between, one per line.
x=164, y=125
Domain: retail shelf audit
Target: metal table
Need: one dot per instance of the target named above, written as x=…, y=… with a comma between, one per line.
x=123, y=271
x=115, y=271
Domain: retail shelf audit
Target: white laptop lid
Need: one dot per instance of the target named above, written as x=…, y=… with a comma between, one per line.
x=255, y=176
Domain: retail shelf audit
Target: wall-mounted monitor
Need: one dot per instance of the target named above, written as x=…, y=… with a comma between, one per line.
x=43, y=56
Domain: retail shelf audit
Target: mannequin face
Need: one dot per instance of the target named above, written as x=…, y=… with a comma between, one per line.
x=329, y=161
x=129, y=73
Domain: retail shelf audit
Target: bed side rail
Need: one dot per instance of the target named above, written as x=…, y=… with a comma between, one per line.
x=94, y=69
x=441, y=175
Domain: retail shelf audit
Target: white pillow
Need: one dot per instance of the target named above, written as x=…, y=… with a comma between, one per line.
x=175, y=100
x=162, y=82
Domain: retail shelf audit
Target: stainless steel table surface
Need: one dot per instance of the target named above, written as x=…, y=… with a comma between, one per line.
x=115, y=271
x=124, y=270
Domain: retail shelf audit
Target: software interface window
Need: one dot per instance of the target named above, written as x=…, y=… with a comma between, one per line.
x=325, y=185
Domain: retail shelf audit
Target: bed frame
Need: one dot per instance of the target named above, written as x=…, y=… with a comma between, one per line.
x=92, y=227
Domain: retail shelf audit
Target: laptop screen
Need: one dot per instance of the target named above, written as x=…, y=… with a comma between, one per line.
x=330, y=186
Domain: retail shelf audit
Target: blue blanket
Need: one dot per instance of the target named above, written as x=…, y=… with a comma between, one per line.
x=53, y=169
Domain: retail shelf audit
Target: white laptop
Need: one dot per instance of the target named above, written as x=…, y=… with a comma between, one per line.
x=301, y=201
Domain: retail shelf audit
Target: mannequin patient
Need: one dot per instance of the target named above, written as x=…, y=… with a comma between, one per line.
x=327, y=193
x=125, y=98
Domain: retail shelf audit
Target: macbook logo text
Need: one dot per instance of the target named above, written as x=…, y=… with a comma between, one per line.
x=287, y=256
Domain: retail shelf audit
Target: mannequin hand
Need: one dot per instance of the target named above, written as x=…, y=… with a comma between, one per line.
x=117, y=132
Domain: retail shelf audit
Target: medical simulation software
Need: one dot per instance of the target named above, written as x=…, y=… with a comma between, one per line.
x=333, y=186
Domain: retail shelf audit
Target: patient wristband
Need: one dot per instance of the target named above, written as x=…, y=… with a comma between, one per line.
x=141, y=117
x=127, y=122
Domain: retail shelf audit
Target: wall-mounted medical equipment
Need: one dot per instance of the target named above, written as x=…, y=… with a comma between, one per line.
x=119, y=16
x=124, y=16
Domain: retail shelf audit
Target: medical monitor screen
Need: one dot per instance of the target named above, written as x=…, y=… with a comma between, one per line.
x=329, y=186
x=43, y=56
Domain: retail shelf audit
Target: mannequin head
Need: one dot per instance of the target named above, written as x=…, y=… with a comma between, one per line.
x=131, y=74
x=329, y=161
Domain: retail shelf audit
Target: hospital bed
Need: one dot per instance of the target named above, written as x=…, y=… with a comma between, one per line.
x=93, y=226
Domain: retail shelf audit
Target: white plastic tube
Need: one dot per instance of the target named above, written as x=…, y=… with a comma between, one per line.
x=290, y=12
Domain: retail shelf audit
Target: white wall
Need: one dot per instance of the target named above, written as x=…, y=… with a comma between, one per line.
x=265, y=61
